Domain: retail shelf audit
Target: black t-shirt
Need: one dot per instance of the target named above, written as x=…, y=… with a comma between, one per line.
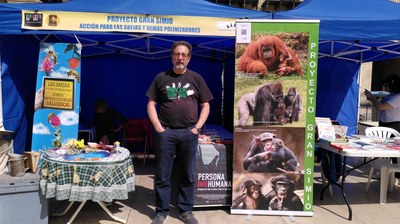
x=110, y=119
x=178, y=96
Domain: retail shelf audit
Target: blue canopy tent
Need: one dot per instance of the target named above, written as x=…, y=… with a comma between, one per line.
x=116, y=66
x=351, y=32
x=122, y=65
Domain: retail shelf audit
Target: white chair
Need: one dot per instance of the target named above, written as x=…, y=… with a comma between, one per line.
x=387, y=168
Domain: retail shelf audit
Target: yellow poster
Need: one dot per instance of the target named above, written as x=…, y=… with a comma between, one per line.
x=58, y=93
x=104, y=22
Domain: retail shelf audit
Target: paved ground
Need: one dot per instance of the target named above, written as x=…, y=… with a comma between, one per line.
x=139, y=208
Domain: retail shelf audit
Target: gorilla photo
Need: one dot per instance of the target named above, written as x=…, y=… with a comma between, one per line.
x=269, y=106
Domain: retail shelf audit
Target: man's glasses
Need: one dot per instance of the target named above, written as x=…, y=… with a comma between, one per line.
x=184, y=55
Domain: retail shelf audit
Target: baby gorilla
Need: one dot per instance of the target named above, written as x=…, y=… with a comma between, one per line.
x=293, y=105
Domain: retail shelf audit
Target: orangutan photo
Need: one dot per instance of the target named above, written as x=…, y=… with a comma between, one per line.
x=268, y=54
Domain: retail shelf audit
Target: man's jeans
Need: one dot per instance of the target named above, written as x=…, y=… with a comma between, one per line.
x=182, y=145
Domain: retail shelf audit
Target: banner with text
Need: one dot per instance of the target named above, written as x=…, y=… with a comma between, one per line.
x=104, y=22
x=275, y=93
x=56, y=117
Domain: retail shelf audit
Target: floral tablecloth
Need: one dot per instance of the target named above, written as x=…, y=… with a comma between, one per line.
x=102, y=180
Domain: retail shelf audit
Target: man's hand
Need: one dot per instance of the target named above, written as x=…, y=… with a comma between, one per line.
x=161, y=129
x=368, y=94
x=195, y=131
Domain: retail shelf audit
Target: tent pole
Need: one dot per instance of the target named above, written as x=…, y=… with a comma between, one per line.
x=1, y=93
x=77, y=40
x=223, y=96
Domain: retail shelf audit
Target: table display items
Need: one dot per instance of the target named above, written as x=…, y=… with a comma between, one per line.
x=364, y=143
x=76, y=150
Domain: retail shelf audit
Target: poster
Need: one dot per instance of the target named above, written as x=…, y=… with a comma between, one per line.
x=139, y=23
x=56, y=117
x=274, y=117
x=213, y=176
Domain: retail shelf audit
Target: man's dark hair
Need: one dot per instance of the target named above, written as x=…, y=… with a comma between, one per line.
x=179, y=43
x=393, y=82
x=101, y=102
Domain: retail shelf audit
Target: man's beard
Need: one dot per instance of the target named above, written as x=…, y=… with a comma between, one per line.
x=180, y=66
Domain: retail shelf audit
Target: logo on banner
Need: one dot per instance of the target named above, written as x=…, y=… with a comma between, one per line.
x=33, y=19
x=53, y=20
x=226, y=26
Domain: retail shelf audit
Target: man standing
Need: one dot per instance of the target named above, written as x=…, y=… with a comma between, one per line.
x=177, y=125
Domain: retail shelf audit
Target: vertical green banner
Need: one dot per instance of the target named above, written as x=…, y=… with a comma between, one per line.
x=56, y=117
x=274, y=112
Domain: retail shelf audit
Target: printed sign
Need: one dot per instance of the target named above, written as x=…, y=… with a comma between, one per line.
x=105, y=22
x=274, y=111
x=56, y=117
x=58, y=93
x=213, y=175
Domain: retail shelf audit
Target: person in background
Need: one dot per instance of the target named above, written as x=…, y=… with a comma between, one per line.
x=389, y=106
x=107, y=121
x=177, y=125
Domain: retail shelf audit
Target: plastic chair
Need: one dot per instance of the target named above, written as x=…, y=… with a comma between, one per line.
x=387, y=168
x=137, y=131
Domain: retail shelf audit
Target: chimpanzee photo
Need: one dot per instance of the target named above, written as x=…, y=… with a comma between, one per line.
x=275, y=158
x=257, y=145
x=278, y=158
x=282, y=196
x=251, y=197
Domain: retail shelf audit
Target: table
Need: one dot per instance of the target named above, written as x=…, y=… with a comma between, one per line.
x=373, y=154
x=101, y=181
x=225, y=136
